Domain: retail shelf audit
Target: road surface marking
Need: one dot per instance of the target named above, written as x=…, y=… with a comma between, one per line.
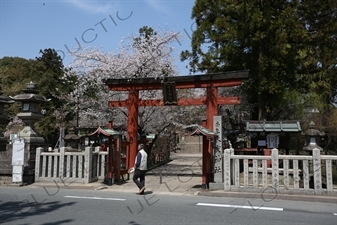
x=97, y=198
x=241, y=206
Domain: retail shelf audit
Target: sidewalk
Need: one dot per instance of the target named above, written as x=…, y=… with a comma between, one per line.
x=182, y=176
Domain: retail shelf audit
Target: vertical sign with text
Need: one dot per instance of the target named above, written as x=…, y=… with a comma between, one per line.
x=217, y=151
x=18, y=159
x=170, y=93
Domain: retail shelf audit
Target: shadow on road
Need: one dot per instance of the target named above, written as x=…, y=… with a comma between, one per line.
x=14, y=211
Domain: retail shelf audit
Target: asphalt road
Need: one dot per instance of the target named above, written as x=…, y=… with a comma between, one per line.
x=37, y=205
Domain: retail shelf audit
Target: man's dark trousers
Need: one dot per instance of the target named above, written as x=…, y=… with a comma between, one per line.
x=141, y=175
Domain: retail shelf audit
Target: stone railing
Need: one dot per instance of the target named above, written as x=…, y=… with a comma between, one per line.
x=80, y=167
x=289, y=174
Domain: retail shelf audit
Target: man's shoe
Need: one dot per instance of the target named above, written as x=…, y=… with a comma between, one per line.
x=141, y=191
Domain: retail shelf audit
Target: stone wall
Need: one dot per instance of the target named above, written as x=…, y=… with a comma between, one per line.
x=5, y=179
x=6, y=168
x=6, y=161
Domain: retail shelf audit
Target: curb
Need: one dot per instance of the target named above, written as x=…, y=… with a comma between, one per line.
x=266, y=196
x=269, y=197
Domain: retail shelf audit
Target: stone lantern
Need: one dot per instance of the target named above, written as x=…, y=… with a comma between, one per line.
x=30, y=114
x=71, y=140
x=312, y=138
x=30, y=109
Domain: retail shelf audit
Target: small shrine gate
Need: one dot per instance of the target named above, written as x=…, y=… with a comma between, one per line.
x=212, y=100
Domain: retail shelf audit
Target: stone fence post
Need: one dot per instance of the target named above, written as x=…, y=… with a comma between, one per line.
x=275, y=170
x=228, y=167
x=88, y=165
x=62, y=153
x=37, y=163
x=317, y=175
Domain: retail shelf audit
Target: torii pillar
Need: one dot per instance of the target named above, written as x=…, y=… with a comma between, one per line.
x=132, y=125
x=207, y=159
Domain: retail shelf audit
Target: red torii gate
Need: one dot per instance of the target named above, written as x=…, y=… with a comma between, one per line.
x=212, y=100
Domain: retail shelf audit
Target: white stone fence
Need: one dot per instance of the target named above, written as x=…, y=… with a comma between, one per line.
x=289, y=174
x=69, y=167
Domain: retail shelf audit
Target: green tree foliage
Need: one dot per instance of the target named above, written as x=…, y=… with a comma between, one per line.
x=144, y=32
x=47, y=72
x=52, y=84
x=318, y=64
x=289, y=47
x=15, y=73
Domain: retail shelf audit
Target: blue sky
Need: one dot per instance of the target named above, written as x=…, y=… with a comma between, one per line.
x=28, y=26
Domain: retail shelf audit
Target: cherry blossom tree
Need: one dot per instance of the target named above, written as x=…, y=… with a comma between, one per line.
x=148, y=55
x=14, y=126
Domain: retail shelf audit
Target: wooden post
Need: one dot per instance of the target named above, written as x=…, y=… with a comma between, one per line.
x=212, y=105
x=118, y=147
x=111, y=166
x=212, y=110
x=204, y=158
x=205, y=162
x=132, y=126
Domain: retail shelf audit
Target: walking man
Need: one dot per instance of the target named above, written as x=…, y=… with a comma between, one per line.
x=140, y=169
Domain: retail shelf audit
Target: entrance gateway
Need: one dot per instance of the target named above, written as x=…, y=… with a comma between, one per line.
x=212, y=100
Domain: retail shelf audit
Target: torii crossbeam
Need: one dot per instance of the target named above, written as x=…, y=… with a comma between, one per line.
x=212, y=100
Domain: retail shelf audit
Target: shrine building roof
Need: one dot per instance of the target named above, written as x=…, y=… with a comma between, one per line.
x=273, y=126
x=105, y=132
x=200, y=130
